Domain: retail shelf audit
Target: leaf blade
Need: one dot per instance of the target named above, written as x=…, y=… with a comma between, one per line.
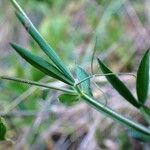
x=81, y=75
x=142, y=82
x=68, y=99
x=40, y=63
x=118, y=85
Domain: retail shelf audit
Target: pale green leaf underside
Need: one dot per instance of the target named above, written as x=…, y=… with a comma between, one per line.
x=85, y=86
x=139, y=136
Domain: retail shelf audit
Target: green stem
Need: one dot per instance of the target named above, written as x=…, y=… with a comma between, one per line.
x=17, y=6
x=36, y=84
x=115, y=116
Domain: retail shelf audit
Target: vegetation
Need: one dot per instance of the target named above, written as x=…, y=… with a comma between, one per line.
x=79, y=89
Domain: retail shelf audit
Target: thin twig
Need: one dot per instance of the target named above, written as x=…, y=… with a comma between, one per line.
x=11, y=105
x=107, y=74
x=93, y=55
x=105, y=97
x=36, y=84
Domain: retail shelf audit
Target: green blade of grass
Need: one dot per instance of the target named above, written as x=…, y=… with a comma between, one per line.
x=44, y=45
x=142, y=82
x=41, y=64
x=118, y=85
x=85, y=85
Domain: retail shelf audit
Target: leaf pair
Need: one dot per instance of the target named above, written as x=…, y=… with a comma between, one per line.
x=57, y=67
x=142, y=82
x=41, y=64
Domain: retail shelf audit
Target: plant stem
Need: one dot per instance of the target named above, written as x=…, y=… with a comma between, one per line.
x=17, y=6
x=115, y=116
x=36, y=84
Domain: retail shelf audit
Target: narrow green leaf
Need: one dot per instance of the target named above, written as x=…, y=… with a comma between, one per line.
x=85, y=86
x=68, y=99
x=118, y=85
x=139, y=136
x=142, y=82
x=3, y=129
x=146, y=113
x=44, y=45
x=41, y=64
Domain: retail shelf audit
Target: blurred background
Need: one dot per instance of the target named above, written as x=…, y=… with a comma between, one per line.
x=35, y=118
